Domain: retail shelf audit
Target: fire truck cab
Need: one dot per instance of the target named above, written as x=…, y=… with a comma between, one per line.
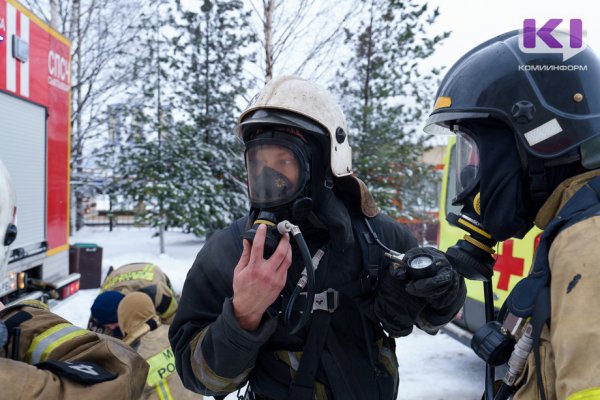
x=35, y=148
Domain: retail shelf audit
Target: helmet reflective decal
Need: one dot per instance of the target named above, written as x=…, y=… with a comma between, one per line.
x=543, y=132
x=442, y=102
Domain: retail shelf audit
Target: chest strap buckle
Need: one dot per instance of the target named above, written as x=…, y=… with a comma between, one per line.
x=326, y=301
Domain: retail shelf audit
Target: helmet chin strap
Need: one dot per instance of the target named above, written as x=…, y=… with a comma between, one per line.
x=536, y=171
x=538, y=182
x=539, y=186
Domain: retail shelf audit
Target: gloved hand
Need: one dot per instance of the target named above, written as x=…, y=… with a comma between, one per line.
x=396, y=310
x=444, y=292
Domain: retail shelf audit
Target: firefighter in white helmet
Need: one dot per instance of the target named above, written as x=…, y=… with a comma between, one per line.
x=242, y=317
x=43, y=356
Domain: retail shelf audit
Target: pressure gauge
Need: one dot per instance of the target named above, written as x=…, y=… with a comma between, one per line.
x=421, y=267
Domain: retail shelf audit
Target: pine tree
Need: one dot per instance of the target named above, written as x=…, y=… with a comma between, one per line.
x=384, y=96
x=180, y=161
x=137, y=158
x=208, y=196
x=210, y=83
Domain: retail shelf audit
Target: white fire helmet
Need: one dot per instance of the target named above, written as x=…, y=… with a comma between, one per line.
x=295, y=95
x=8, y=230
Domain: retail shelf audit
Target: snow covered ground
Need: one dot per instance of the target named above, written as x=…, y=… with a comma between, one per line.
x=431, y=367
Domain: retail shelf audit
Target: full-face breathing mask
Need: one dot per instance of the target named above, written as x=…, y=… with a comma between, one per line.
x=278, y=162
x=279, y=174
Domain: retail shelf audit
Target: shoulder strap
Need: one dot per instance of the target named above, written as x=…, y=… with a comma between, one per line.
x=302, y=387
x=321, y=346
x=584, y=204
x=366, y=231
x=237, y=235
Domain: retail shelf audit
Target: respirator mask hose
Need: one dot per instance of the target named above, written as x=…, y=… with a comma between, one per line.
x=472, y=258
x=272, y=236
x=307, y=278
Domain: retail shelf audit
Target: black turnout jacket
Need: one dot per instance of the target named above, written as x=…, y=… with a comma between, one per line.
x=215, y=356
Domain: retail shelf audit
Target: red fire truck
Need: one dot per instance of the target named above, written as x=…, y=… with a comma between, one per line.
x=34, y=145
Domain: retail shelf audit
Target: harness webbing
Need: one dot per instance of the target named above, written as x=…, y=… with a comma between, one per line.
x=302, y=386
x=322, y=347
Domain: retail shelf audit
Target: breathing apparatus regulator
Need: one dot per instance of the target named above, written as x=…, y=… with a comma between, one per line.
x=417, y=267
x=307, y=278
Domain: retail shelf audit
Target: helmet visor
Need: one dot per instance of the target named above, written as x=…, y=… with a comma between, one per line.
x=274, y=174
x=467, y=163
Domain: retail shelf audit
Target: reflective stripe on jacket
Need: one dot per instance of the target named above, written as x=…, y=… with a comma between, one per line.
x=46, y=337
x=162, y=383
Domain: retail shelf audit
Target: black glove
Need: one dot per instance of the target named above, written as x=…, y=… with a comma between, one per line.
x=444, y=292
x=396, y=310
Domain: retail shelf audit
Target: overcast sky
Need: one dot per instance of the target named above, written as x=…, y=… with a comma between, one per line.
x=473, y=22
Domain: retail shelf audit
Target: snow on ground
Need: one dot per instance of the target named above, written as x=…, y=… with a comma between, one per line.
x=431, y=367
x=128, y=245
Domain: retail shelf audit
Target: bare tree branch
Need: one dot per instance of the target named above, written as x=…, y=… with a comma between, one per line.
x=297, y=33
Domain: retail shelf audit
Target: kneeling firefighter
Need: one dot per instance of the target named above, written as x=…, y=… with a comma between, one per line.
x=146, y=334
x=527, y=127
x=293, y=297
x=43, y=356
x=134, y=277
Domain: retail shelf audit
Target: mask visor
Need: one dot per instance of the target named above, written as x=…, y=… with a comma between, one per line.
x=274, y=174
x=467, y=164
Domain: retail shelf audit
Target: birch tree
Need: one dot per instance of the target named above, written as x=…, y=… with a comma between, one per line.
x=100, y=32
x=300, y=37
